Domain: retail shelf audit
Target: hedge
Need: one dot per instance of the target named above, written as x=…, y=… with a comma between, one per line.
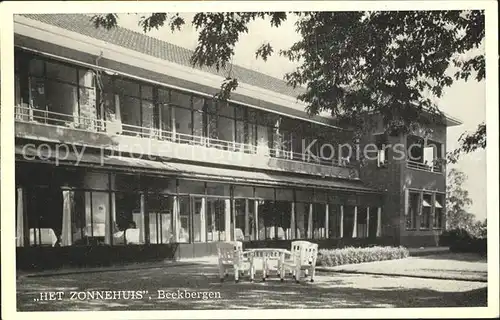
x=459, y=240
x=351, y=255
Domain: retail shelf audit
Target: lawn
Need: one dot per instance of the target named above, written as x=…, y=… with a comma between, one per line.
x=330, y=290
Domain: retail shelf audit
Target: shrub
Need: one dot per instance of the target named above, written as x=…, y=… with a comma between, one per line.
x=460, y=240
x=351, y=255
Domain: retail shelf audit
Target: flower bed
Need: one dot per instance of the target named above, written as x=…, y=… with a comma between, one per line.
x=351, y=255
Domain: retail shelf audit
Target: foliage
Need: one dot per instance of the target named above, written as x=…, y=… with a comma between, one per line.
x=457, y=202
x=351, y=255
x=350, y=63
x=461, y=240
x=469, y=142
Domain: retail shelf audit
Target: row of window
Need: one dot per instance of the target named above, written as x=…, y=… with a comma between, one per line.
x=76, y=217
x=61, y=94
x=424, y=210
x=120, y=209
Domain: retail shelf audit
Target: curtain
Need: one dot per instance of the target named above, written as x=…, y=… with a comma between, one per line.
x=379, y=222
x=341, y=221
x=113, y=209
x=107, y=218
x=176, y=218
x=247, y=218
x=227, y=219
x=355, y=223
x=310, y=222
x=368, y=222
x=66, y=218
x=327, y=222
x=88, y=214
x=140, y=222
x=262, y=140
x=20, y=218
x=256, y=220
x=203, y=231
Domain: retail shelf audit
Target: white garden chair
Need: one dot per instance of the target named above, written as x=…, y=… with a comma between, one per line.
x=302, y=257
x=231, y=256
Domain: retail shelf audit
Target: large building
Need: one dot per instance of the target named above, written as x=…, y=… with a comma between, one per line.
x=122, y=153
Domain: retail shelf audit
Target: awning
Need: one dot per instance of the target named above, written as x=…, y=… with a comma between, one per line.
x=425, y=204
x=437, y=205
x=185, y=170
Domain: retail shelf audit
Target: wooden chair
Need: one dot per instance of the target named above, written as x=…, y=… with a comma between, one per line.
x=231, y=256
x=302, y=257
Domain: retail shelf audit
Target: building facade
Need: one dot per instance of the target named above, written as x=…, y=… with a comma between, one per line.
x=123, y=153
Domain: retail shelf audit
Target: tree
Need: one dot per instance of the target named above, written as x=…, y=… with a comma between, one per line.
x=350, y=63
x=457, y=202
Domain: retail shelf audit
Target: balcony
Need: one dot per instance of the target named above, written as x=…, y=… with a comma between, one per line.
x=122, y=138
x=435, y=167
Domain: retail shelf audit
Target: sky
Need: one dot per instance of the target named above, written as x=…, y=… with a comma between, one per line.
x=465, y=101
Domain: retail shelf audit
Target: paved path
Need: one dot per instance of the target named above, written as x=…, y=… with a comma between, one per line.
x=330, y=290
x=451, y=266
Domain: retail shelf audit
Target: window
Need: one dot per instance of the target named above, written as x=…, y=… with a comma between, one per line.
x=425, y=218
x=217, y=210
x=160, y=208
x=199, y=207
x=199, y=118
x=184, y=223
x=44, y=216
x=412, y=210
x=55, y=93
x=225, y=130
x=438, y=212
x=318, y=220
x=428, y=156
x=91, y=218
x=362, y=227
x=137, y=108
x=382, y=150
x=128, y=225
x=334, y=220
x=165, y=113
x=242, y=223
x=435, y=156
x=415, y=147
x=348, y=221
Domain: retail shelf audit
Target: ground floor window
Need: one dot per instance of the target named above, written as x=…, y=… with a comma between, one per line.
x=425, y=218
x=44, y=216
x=362, y=222
x=412, y=210
x=348, y=221
x=217, y=214
x=103, y=210
x=438, y=212
x=334, y=221
x=318, y=220
x=160, y=211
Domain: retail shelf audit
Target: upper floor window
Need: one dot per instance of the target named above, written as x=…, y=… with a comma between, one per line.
x=382, y=143
x=54, y=92
x=63, y=94
x=424, y=154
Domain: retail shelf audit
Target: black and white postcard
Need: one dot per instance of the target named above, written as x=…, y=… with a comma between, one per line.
x=220, y=159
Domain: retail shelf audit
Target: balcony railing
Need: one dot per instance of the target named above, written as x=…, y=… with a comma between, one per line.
x=437, y=168
x=27, y=114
